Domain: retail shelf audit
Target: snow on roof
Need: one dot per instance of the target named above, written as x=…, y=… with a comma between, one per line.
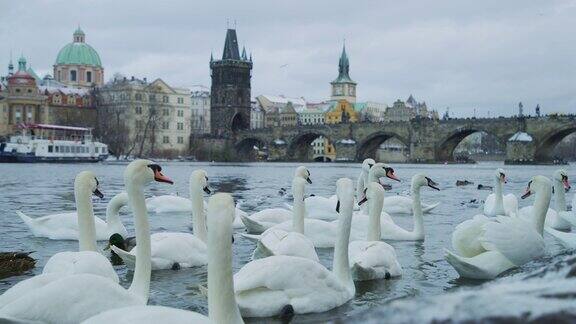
x=199, y=88
x=285, y=100
x=56, y=127
x=64, y=90
x=520, y=137
x=348, y=141
x=279, y=142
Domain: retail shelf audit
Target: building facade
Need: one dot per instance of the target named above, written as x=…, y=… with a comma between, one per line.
x=78, y=64
x=154, y=117
x=257, y=116
x=230, y=91
x=342, y=111
x=280, y=116
x=200, y=110
x=314, y=114
x=343, y=88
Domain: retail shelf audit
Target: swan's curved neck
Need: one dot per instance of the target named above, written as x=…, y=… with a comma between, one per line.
x=559, y=196
x=499, y=202
x=541, y=204
x=86, y=225
x=113, y=222
x=417, y=210
x=198, y=214
x=141, y=281
x=222, y=306
x=360, y=183
x=375, y=210
x=299, y=208
x=340, y=266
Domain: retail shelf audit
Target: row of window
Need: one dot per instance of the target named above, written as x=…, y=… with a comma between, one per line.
x=166, y=140
x=73, y=149
x=165, y=112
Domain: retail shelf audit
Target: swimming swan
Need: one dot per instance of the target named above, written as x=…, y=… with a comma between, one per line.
x=497, y=203
x=175, y=250
x=222, y=306
x=507, y=242
x=64, y=226
x=88, y=259
x=277, y=284
x=373, y=259
x=74, y=298
x=260, y=221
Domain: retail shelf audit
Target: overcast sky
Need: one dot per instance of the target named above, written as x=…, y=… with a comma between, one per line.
x=483, y=55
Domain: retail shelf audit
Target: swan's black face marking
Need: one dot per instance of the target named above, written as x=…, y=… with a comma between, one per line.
x=390, y=173
x=565, y=183
x=308, y=178
x=503, y=178
x=206, y=177
x=338, y=206
x=432, y=184
x=158, y=176
x=370, y=165
x=528, y=191
x=97, y=191
x=364, y=198
x=207, y=190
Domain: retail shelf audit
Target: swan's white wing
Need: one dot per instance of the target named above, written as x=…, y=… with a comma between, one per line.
x=26, y=286
x=515, y=238
x=281, y=242
x=374, y=255
x=183, y=248
x=568, y=240
x=489, y=204
x=70, y=263
x=510, y=204
x=263, y=287
x=321, y=208
x=148, y=315
x=169, y=204
x=397, y=205
x=466, y=236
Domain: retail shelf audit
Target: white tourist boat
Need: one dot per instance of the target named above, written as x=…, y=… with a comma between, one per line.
x=52, y=143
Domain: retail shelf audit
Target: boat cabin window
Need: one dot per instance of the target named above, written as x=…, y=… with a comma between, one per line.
x=96, y=149
x=50, y=148
x=56, y=148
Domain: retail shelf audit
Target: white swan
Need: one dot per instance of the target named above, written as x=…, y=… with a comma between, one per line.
x=88, y=259
x=173, y=250
x=557, y=218
x=389, y=229
x=280, y=284
x=278, y=241
x=507, y=242
x=265, y=219
x=372, y=259
x=222, y=306
x=74, y=298
x=362, y=181
x=64, y=226
x=497, y=203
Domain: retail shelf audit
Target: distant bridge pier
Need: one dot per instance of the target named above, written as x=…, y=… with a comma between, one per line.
x=346, y=150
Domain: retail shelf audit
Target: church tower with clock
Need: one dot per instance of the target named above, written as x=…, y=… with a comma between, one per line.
x=343, y=88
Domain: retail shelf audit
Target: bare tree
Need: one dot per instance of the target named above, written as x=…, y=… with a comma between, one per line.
x=111, y=129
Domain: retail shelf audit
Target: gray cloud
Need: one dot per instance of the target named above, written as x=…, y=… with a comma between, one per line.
x=464, y=55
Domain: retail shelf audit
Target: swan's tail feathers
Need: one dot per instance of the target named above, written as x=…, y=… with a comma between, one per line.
x=568, y=240
x=261, y=251
x=464, y=268
x=252, y=226
x=129, y=259
x=428, y=208
x=27, y=220
x=570, y=217
x=251, y=237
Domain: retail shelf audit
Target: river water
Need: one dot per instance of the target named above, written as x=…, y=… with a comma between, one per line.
x=429, y=288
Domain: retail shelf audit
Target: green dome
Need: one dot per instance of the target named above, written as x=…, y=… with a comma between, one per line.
x=78, y=53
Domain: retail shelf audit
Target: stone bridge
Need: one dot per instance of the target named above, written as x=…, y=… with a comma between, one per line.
x=427, y=140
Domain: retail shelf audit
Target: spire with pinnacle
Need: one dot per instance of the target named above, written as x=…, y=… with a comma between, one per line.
x=211, y=57
x=22, y=63
x=244, y=57
x=10, y=66
x=231, y=51
x=343, y=68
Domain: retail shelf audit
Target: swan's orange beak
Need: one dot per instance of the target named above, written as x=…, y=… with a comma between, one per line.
x=391, y=175
x=158, y=176
x=566, y=183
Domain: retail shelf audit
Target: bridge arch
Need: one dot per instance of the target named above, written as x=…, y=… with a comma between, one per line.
x=546, y=147
x=367, y=148
x=251, y=149
x=446, y=146
x=299, y=148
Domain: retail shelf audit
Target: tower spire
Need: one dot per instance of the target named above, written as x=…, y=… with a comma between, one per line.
x=10, y=65
x=231, y=51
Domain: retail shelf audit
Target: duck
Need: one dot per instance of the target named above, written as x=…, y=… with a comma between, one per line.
x=75, y=298
x=280, y=241
x=285, y=284
x=15, y=263
x=389, y=229
x=558, y=218
x=497, y=203
x=507, y=242
x=64, y=226
x=222, y=306
x=260, y=221
x=373, y=259
x=88, y=259
x=176, y=250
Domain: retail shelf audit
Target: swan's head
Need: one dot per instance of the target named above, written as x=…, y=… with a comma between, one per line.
x=372, y=192
x=142, y=172
x=303, y=172
x=537, y=184
x=221, y=210
x=86, y=181
x=199, y=179
x=383, y=170
x=367, y=164
x=344, y=192
x=421, y=180
x=562, y=176
x=500, y=175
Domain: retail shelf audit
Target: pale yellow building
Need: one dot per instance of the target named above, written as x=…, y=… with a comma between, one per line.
x=342, y=112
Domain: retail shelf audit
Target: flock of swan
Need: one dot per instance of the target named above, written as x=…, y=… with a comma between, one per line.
x=285, y=276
